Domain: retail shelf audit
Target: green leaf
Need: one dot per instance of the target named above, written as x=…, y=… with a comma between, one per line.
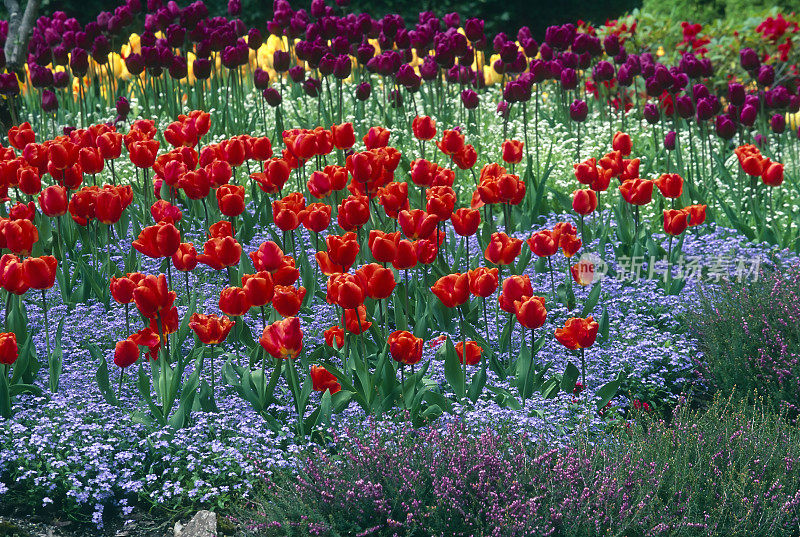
x=55, y=359
x=591, y=300
x=453, y=372
x=609, y=390
x=569, y=378
x=102, y=380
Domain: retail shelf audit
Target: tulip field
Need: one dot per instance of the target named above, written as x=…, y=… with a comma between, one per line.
x=241, y=262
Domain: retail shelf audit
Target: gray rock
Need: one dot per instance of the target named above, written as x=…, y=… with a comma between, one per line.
x=203, y=524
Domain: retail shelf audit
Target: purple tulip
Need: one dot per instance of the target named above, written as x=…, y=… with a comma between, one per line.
x=569, y=79
x=684, y=106
x=669, y=141
x=766, y=75
x=726, y=129
x=474, y=29
x=49, y=101
x=202, y=68
x=272, y=96
x=60, y=79
x=178, y=69
x=260, y=79
x=363, y=90
x=578, y=111
x=736, y=93
x=503, y=109
x=748, y=115
x=603, y=71
x=777, y=123
x=651, y=113
x=79, y=62
x=343, y=67
x=748, y=58
x=470, y=99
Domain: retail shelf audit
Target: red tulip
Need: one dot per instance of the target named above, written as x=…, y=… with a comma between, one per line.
x=269, y=257
x=405, y=347
x=343, y=136
x=466, y=221
x=670, y=185
x=474, y=352
x=233, y=301
x=376, y=137
x=483, y=281
x=773, y=174
x=126, y=352
x=316, y=217
x=637, y=191
x=530, y=311
x=323, y=380
x=502, y=249
x=622, y=143
x=8, y=348
x=383, y=245
x=334, y=335
x=220, y=252
x=675, y=221
x=283, y=339
x=160, y=240
x=355, y=320
x=346, y=290
x=452, y=290
x=417, y=224
x=12, y=276
x=40, y=272
x=259, y=288
x=210, y=329
x=406, y=257
x=584, y=201
x=424, y=127
x=697, y=214
x=513, y=151
x=122, y=287
x=353, y=212
x=230, y=200
x=514, y=288
x=451, y=143
x=379, y=281
x=287, y=300
x=578, y=333
x=152, y=296
x=53, y=201
x=543, y=244
x=19, y=235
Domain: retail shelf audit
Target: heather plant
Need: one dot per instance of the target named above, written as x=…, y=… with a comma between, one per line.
x=749, y=336
x=730, y=470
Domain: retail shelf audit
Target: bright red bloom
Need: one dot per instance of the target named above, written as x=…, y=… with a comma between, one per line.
x=126, y=352
x=319, y=185
x=346, y=290
x=12, y=276
x=586, y=172
x=29, y=181
x=502, y=249
x=185, y=258
x=233, y=301
x=697, y=214
x=675, y=221
x=773, y=174
x=377, y=137
x=341, y=254
x=8, y=348
x=164, y=210
x=483, y=281
x=287, y=300
x=143, y=153
x=466, y=157
x=355, y=320
x=452, y=290
x=379, y=281
x=383, y=245
x=122, y=287
x=405, y=347
x=466, y=221
x=751, y=160
x=316, y=217
x=406, y=257
x=40, y=272
x=426, y=251
x=21, y=136
x=19, y=235
x=283, y=339
x=474, y=352
x=451, y=143
x=543, y=244
x=584, y=201
x=670, y=185
x=622, y=143
x=394, y=198
x=110, y=202
x=53, y=201
x=441, y=202
x=637, y=191
x=323, y=380
x=578, y=333
x=334, y=335
x=344, y=136
x=230, y=200
x=530, y=311
x=259, y=288
x=152, y=296
x=424, y=127
x=417, y=224
x=220, y=252
x=269, y=257
x=160, y=240
x=20, y=211
x=514, y=288
x=353, y=212
x=570, y=244
x=210, y=329
x=271, y=180
x=513, y=151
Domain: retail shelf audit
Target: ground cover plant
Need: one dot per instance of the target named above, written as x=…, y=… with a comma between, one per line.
x=225, y=245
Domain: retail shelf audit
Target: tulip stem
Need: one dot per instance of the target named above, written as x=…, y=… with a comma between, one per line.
x=403, y=385
x=121, y=375
x=46, y=323
x=552, y=278
x=127, y=318
x=463, y=354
